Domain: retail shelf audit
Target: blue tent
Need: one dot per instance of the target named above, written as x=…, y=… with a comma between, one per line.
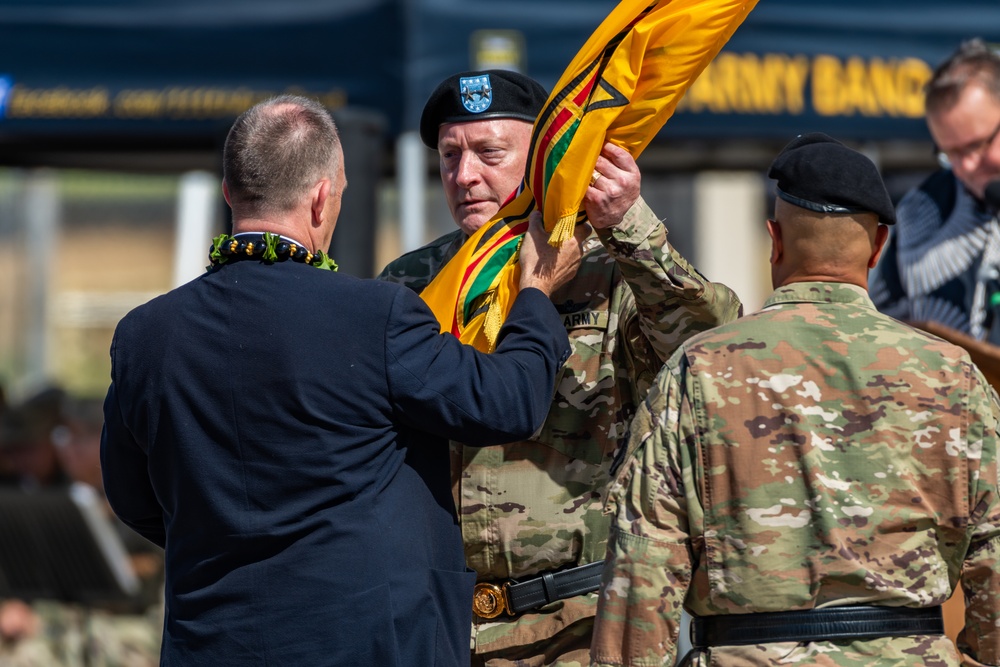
x=171, y=74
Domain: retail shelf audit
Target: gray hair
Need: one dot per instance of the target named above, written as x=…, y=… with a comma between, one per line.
x=974, y=61
x=276, y=150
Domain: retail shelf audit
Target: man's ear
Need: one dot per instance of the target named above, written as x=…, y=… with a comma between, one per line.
x=881, y=236
x=225, y=193
x=777, y=248
x=320, y=194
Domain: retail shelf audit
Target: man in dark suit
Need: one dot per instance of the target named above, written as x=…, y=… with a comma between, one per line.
x=282, y=430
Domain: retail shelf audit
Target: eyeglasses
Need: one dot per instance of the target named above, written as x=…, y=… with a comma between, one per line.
x=976, y=148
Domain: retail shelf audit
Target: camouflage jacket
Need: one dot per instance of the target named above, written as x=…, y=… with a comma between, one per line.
x=816, y=453
x=74, y=635
x=531, y=507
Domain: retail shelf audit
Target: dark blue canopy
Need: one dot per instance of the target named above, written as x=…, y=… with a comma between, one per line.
x=173, y=73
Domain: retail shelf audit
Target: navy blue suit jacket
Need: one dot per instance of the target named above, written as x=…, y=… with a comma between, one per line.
x=281, y=431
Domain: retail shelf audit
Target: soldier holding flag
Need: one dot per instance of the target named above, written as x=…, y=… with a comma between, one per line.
x=530, y=511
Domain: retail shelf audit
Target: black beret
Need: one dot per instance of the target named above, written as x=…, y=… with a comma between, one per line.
x=492, y=93
x=817, y=172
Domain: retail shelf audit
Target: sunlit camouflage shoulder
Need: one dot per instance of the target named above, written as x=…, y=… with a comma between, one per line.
x=417, y=268
x=673, y=300
x=821, y=428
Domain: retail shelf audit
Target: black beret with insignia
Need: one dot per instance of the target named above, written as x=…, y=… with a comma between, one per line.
x=818, y=173
x=492, y=93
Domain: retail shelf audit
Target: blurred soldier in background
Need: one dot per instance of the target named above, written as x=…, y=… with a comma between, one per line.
x=51, y=440
x=26, y=440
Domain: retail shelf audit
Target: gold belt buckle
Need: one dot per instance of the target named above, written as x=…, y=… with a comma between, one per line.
x=489, y=600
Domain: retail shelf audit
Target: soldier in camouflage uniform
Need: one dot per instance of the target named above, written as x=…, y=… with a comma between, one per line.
x=57, y=633
x=531, y=508
x=70, y=635
x=816, y=454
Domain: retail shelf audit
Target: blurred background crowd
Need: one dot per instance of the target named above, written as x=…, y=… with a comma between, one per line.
x=49, y=442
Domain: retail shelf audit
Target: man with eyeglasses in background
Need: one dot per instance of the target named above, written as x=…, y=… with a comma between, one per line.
x=941, y=268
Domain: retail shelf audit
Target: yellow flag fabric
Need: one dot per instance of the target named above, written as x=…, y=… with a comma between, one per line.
x=622, y=86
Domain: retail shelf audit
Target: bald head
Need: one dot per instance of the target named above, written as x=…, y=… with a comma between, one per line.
x=831, y=247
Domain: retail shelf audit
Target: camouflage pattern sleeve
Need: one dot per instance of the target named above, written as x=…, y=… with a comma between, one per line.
x=979, y=640
x=648, y=563
x=417, y=268
x=674, y=301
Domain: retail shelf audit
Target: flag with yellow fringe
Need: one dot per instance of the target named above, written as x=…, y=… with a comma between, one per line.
x=621, y=87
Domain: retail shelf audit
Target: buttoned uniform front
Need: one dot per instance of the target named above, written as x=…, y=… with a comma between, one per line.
x=534, y=505
x=816, y=453
x=282, y=432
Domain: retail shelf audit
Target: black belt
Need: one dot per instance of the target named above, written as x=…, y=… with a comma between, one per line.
x=813, y=625
x=512, y=597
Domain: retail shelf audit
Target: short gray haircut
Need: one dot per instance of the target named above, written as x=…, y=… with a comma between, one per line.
x=974, y=61
x=276, y=150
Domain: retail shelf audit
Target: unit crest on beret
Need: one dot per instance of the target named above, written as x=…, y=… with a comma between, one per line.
x=471, y=96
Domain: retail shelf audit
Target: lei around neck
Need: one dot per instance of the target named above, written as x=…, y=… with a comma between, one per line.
x=268, y=248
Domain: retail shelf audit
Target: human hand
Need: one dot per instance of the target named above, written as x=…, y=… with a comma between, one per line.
x=17, y=621
x=545, y=267
x=615, y=189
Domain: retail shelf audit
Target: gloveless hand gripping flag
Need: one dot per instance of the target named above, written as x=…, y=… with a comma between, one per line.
x=622, y=86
